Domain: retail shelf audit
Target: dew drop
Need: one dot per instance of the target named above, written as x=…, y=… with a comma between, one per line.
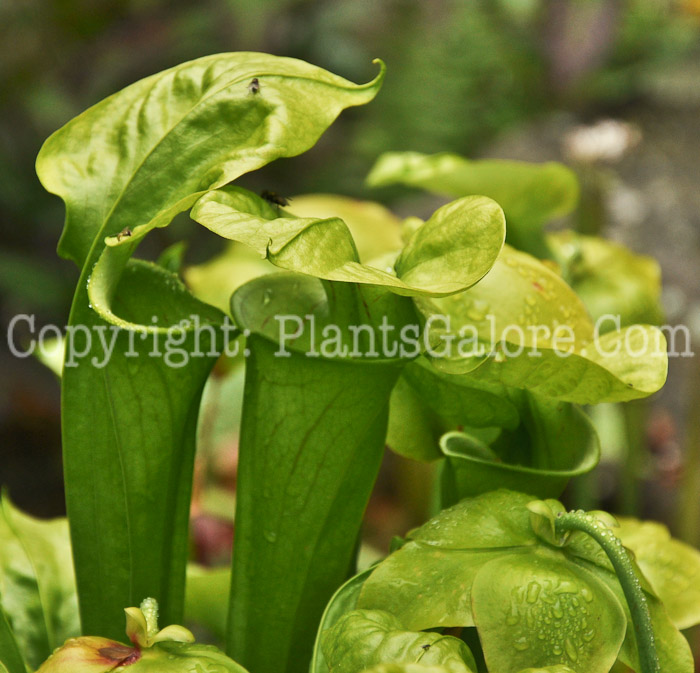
x=521, y=644
x=571, y=651
x=270, y=535
x=557, y=650
x=533, y=592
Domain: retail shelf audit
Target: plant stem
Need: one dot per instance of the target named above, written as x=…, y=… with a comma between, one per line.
x=622, y=564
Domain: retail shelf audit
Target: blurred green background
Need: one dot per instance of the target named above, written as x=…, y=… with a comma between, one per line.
x=505, y=78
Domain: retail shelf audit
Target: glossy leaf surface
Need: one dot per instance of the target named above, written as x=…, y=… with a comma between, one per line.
x=344, y=600
x=314, y=491
x=147, y=152
x=541, y=611
x=540, y=338
x=129, y=431
x=436, y=579
x=375, y=230
x=448, y=254
x=427, y=583
x=312, y=438
x=364, y=638
x=530, y=194
x=316, y=450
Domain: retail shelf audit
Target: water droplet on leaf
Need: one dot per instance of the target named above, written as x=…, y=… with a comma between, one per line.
x=521, y=644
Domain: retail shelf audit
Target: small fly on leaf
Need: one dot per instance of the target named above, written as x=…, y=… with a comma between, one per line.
x=274, y=199
x=425, y=647
x=254, y=86
x=124, y=233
